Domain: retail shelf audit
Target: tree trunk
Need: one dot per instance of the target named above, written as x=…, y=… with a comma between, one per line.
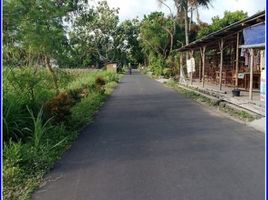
x=55, y=80
x=186, y=24
x=191, y=19
x=186, y=27
x=198, y=16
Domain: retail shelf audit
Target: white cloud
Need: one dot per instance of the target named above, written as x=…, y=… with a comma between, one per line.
x=131, y=8
x=134, y=8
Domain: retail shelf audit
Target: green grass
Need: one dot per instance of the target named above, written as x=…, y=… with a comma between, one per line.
x=242, y=115
x=32, y=142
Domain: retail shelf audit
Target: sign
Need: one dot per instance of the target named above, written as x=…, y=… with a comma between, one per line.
x=254, y=35
x=190, y=65
x=241, y=75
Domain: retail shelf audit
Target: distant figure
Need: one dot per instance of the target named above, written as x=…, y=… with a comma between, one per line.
x=130, y=69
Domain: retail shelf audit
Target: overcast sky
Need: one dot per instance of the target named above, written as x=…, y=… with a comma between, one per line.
x=132, y=8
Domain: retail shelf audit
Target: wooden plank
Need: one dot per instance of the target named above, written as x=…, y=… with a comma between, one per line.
x=221, y=62
x=251, y=74
x=191, y=75
x=203, y=52
x=200, y=69
x=237, y=60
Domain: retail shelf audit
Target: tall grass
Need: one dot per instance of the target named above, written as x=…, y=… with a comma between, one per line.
x=33, y=140
x=39, y=128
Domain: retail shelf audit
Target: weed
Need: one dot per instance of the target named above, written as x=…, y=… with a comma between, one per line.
x=33, y=141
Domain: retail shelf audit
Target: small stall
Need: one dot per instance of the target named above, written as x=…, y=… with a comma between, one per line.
x=111, y=67
x=253, y=53
x=231, y=57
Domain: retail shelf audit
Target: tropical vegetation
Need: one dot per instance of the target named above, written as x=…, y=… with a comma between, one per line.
x=54, y=53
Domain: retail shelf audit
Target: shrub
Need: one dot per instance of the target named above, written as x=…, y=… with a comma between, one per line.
x=157, y=64
x=59, y=107
x=100, y=83
x=32, y=143
x=12, y=173
x=39, y=128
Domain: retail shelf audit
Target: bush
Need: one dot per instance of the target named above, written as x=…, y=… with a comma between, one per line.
x=59, y=107
x=32, y=142
x=157, y=64
x=100, y=83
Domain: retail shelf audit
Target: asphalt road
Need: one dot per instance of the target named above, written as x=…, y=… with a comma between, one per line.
x=148, y=142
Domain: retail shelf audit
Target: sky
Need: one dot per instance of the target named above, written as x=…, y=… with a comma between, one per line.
x=130, y=9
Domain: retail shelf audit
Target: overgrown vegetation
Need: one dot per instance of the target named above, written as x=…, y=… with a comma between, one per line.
x=40, y=124
x=71, y=33
x=45, y=106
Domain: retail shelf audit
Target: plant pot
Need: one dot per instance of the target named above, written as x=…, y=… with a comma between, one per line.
x=236, y=92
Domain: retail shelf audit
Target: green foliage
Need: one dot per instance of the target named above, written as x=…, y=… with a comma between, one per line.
x=102, y=44
x=100, y=82
x=219, y=23
x=26, y=87
x=39, y=32
x=172, y=63
x=32, y=141
x=127, y=36
x=159, y=37
x=79, y=117
x=39, y=128
x=59, y=107
x=154, y=36
x=157, y=65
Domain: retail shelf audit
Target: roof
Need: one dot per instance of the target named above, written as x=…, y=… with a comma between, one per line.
x=226, y=32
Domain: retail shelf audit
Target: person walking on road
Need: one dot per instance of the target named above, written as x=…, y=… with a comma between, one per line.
x=130, y=70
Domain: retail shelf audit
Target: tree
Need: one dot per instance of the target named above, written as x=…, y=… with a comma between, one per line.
x=158, y=40
x=94, y=33
x=219, y=23
x=98, y=37
x=127, y=36
x=39, y=32
x=183, y=7
x=155, y=34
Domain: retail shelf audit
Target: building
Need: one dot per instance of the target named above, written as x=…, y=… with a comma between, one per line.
x=233, y=56
x=111, y=67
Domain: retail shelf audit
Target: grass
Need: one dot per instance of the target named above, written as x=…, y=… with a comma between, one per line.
x=213, y=103
x=33, y=141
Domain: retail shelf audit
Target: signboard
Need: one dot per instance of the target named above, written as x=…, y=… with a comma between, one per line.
x=241, y=75
x=190, y=65
x=254, y=35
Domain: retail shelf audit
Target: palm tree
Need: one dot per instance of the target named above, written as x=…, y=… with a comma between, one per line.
x=183, y=7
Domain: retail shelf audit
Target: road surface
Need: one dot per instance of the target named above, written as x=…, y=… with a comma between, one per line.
x=148, y=142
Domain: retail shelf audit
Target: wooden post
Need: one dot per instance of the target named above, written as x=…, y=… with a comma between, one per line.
x=221, y=61
x=237, y=60
x=251, y=74
x=191, y=75
x=199, y=64
x=203, y=51
x=181, y=66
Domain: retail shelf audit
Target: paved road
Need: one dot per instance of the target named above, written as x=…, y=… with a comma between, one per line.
x=148, y=142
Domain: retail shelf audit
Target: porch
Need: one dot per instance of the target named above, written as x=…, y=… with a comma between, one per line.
x=254, y=105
